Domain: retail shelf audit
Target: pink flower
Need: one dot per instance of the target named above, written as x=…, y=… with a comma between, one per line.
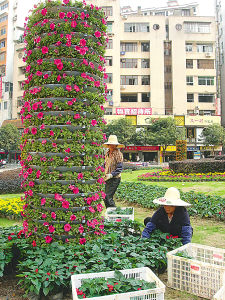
x=75, y=190
x=70, y=103
x=98, y=34
x=77, y=89
x=44, y=50
x=52, y=26
x=38, y=174
x=68, y=88
x=44, y=12
x=43, y=216
x=61, y=15
x=80, y=176
x=31, y=184
x=99, y=207
x=46, y=76
x=59, y=78
x=51, y=229
x=39, y=61
x=66, y=1
x=28, y=69
x=82, y=241
x=66, y=159
x=82, y=15
x=44, y=142
x=69, y=15
x=42, y=126
x=35, y=106
x=58, y=197
x=51, y=133
x=40, y=115
x=49, y=104
x=73, y=24
x=81, y=229
x=65, y=204
x=34, y=131
x=91, y=209
x=54, y=145
x=43, y=200
x=73, y=218
x=67, y=150
x=67, y=227
x=60, y=66
x=48, y=239
x=83, y=42
x=94, y=122
x=53, y=215
x=76, y=116
x=39, y=73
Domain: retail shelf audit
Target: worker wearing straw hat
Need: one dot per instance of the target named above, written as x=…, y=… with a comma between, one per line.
x=113, y=169
x=172, y=217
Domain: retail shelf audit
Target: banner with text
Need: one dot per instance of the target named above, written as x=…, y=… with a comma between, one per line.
x=133, y=111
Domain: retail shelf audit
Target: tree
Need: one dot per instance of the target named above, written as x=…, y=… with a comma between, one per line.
x=9, y=137
x=163, y=132
x=123, y=129
x=213, y=135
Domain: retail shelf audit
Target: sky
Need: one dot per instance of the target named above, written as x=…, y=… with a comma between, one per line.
x=206, y=7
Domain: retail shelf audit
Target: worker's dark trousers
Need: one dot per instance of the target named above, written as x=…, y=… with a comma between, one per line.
x=110, y=189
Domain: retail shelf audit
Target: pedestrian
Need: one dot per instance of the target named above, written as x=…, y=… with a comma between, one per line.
x=113, y=169
x=172, y=217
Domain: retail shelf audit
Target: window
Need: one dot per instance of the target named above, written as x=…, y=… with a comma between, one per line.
x=108, y=111
x=189, y=47
x=145, y=63
x=3, y=31
x=136, y=27
x=160, y=13
x=6, y=86
x=110, y=78
x=189, y=63
x=108, y=60
x=168, y=69
x=168, y=85
x=186, y=12
x=129, y=97
x=2, y=56
x=196, y=27
x=109, y=44
x=206, y=98
x=145, y=47
x=190, y=97
x=2, y=44
x=128, y=63
x=3, y=19
x=108, y=10
x=128, y=47
x=145, y=97
x=4, y=6
x=205, y=64
x=205, y=47
x=207, y=112
x=204, y=80
x=128, y=80
x=190, y=112
x=109, y=26
x=20, y=101
x=189, y=80
x=5, y=105
x=145, y=80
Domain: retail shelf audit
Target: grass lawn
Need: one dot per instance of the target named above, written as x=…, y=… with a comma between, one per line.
x=10, y=196
x=210, y=188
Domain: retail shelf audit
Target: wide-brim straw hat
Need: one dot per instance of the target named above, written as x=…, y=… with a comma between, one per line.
x=172, y=198
x=113, y=141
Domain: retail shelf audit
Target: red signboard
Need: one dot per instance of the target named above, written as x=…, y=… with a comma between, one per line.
x=141, y=148
x=134, y=111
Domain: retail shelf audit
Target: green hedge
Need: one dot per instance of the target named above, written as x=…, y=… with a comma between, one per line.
x=197, y=166
x=202, y=205
x=10, y=182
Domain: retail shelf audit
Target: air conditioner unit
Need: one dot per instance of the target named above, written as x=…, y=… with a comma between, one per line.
x=122, y=52
x=122, y=87
x=208, y=54
x=111, y=103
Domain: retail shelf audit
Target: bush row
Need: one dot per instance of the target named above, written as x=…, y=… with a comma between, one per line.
x=10, y=182
x=197, y=166
x=203, y=205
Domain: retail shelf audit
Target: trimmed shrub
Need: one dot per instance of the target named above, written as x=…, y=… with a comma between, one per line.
x=10, y=182
x=181, y=152
x=197, y=166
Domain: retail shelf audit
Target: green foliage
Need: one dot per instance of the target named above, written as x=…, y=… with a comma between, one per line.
x=183, y=254
x=48, y=269
x=97, y=287
x=203, y=205
x=181, y=150
x=9, y=137
x=197, y=166
x=121, y=211
x=123, y=129
x=213, y=135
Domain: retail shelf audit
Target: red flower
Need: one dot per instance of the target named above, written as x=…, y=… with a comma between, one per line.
x=67, y=227
x=48, y=240
x=220, y=213
x=167, y=237
x=98, y=34
x=118, y=220
x=44, y=12
x=73, y=24
x=36, y=271
x=44, y=50
x=82, y=241
x=61, y=15
x=68, y=88
x=9, y=238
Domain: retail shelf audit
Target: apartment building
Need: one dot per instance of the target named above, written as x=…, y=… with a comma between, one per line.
x=161, y=62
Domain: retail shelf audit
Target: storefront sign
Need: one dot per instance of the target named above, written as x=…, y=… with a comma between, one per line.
x=141, y=148
x=201, y=120
x=197, y=155
x=210, y=148
x=169, y=149
x=133, y=111
x=193, y=148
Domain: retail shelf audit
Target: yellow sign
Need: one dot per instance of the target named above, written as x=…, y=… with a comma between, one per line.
x=169, y=149
x=110, y=118
x=202, y=120
x=179, y=120
x=209, y=148
x=133, y=119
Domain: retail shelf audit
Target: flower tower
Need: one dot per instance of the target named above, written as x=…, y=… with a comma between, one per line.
x=62, y=114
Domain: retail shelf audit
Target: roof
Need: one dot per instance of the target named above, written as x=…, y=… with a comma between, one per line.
x=15, y=122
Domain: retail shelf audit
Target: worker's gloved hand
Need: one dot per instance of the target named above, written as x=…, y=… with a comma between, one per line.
x=108, y=176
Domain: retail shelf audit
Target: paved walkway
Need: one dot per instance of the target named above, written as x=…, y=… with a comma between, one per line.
x=9, y=167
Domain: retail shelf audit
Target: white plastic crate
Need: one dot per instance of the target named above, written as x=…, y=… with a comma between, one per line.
x=114, y=217
x=138, y=273
x=220, y=295
x=202, y=275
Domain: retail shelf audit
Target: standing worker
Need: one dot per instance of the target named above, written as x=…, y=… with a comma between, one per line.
x=113, y=169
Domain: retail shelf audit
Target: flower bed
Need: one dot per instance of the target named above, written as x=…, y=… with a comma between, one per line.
x=203, y=205
x=139, y=283
x=11, y=207
x=170, y=175
x=119, y=213
x=49, y=268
